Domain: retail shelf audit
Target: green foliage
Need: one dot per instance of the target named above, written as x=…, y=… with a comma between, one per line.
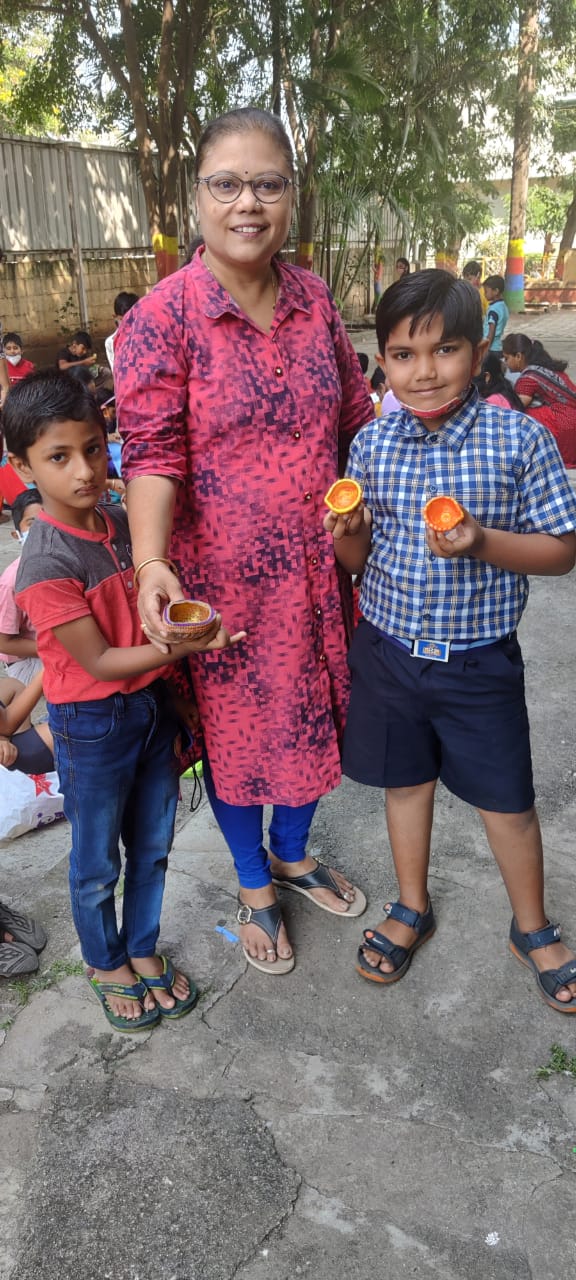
x=560, y=1063
x=59, y=969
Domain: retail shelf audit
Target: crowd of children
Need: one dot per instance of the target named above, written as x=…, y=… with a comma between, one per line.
x=437, y=671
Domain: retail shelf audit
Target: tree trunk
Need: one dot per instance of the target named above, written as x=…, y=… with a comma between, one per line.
x=568, y=237
x=527, y=50
x=305, y=256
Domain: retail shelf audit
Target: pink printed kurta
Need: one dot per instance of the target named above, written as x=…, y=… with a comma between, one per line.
x=251, y=424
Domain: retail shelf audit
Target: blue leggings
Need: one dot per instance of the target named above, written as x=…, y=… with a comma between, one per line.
x=242, y=828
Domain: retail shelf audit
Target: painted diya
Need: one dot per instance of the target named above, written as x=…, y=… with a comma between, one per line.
x=189, y=619
x=343, y=497
x=443, y=513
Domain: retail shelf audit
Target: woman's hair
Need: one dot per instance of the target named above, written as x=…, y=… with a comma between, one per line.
x=40, y=400
x=404, y=261
x=424, y=295
x=491, y=382
x=518, y=344
x=244, y=120
x=13, y=337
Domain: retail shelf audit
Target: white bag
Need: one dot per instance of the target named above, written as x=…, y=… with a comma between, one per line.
x=27, y=801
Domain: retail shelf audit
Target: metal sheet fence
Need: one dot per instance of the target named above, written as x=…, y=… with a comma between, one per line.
x=41, y=181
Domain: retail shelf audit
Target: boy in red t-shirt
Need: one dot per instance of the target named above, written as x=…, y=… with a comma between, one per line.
x=17, y=366
x=114, y=731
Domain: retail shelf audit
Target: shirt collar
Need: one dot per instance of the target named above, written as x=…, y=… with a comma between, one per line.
x=215, y=301
x=453, y=433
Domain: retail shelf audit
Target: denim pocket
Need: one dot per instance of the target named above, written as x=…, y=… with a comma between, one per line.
x=89, y=722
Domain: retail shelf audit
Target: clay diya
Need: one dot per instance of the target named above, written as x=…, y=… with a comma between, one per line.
x=344, y=496
x=188, y=619
x=443, y=513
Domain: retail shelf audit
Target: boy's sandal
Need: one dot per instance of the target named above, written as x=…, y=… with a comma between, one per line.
x=16, y=959
x=551, y=980
x=137, y=992
x=22, y=928
x=269, y=920
x=165, y=981
x=400, y=957
x=323, y=878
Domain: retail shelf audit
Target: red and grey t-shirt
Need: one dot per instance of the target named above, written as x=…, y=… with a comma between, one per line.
x=68, y=573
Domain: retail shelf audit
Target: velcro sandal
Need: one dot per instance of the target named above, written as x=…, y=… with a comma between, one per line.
x=269, y=920
x=550, y=980
x=165, y=981
x=401, y=957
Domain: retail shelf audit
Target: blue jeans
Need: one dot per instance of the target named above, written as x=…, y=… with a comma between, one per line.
x=119, y=777
x=242, y=828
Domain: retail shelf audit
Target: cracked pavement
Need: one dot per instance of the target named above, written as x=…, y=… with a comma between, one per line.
x=309, y=1125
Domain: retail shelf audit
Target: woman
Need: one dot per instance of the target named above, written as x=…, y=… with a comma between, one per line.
x=231, y=490
x=544, y=389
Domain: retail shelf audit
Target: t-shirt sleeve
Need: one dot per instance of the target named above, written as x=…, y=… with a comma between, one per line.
x=548, y=501
x=50, y=602
x=492, y=317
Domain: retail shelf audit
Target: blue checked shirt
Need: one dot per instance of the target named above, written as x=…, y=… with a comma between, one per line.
x=503, y=467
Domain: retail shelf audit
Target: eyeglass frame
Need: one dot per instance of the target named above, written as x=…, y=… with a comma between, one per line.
x=246, y=182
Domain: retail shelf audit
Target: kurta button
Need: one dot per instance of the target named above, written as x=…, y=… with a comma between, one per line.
x=314, y=560
x=323, y=657
x=296, y=434
x=307, y=497
x=278, y=371
x=318, y=613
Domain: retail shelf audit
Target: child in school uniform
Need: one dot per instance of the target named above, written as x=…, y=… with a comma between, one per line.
x=109, y=712
x=437, y=672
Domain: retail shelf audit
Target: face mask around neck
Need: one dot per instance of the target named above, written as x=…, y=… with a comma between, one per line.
x=13, y=359
x=22, y=536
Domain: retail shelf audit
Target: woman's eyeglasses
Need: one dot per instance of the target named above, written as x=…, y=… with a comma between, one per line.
x=226, y=187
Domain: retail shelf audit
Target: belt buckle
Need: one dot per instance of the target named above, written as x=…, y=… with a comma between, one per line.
x=431, y=650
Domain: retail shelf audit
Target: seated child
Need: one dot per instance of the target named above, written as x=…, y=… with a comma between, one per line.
x=496, y=317
x=17, y=636
x=17, y=366
x=437, y=672
x=494, y=387
x=79, y=351
x=114, y=729
x=23, y=746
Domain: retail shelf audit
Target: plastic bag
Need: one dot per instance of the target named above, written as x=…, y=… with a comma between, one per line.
x=27, y=801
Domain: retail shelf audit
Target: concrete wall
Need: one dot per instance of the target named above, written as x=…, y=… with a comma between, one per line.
x=39, y=297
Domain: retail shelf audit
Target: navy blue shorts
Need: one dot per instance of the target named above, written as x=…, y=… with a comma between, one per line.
x=464, y=721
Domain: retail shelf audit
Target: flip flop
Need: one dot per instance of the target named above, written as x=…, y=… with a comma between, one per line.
x=323, y=878
x=400, y=957
x=550, y=980
x=22, y=928
x=165, y=981
x=16, y=959
x=269, y=920
x=148, y=1018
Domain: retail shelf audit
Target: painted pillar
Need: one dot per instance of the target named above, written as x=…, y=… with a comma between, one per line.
x=166, y=254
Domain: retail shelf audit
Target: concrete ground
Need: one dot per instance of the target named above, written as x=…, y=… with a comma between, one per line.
x=309, y=1125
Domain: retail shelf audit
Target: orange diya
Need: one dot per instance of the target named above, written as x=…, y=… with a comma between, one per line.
x=188, y=619
x=344, y=496
x=443, y=513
